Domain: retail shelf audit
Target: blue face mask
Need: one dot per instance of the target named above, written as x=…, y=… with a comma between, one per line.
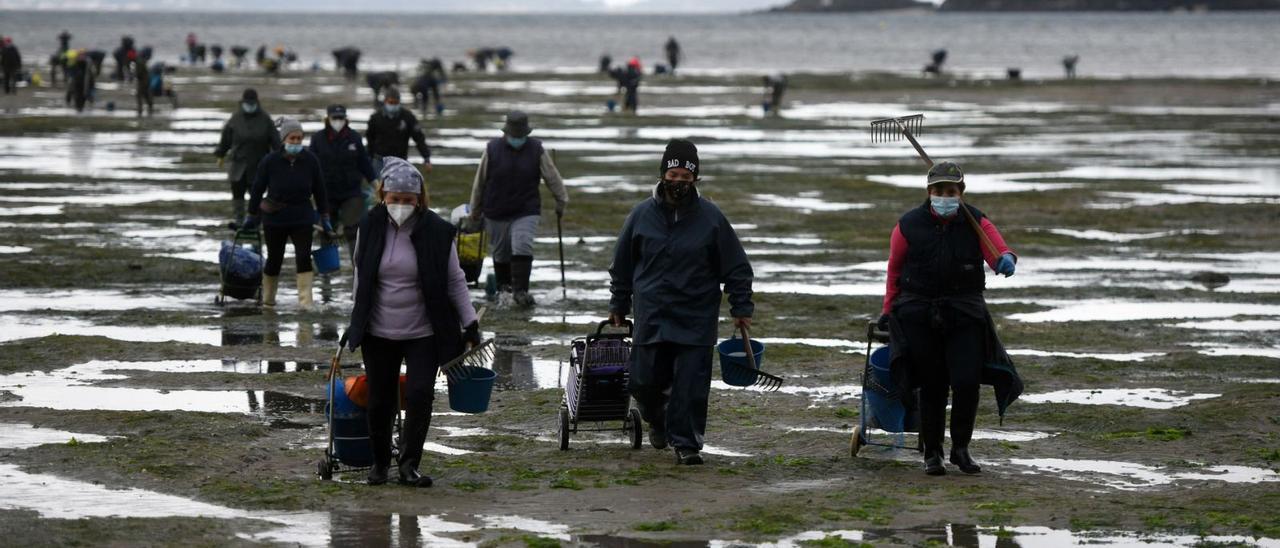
x=517, y=142
x=944, y=206
x=392, y=110
x=249, y=108
x=292, y=149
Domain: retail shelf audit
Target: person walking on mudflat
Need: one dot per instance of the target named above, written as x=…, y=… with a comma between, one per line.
x=410, y=306
x=505, y=193
x=248, y=137
x=675, y=251
x=941, y=334
x=289, y=193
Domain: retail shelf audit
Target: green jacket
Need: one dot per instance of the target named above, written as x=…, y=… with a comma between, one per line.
x=249, y=138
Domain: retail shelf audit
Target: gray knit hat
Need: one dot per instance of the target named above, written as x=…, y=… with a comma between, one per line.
x=400, y=176
x=286, y=125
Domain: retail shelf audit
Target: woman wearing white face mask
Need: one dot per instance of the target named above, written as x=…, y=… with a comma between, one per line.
x=411, y=303
x=941, y=334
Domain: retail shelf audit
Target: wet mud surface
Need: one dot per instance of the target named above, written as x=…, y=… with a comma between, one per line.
x=1143, y=318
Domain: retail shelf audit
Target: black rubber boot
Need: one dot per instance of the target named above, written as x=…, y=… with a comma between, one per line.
x=521, y=269
x=378, y=474
x=502, y=275
x=416, y=424
x=933, y=413
x=688, y=457
x=964, y=411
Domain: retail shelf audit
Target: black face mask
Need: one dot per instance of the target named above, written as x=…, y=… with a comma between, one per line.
x=678, y=192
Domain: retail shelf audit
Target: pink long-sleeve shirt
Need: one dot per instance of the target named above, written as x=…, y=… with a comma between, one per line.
x=399, y=311
x=898, y=254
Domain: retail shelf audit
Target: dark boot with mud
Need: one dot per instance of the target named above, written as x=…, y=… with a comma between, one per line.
x=521, y=269
x=964, y=411
x=933, y=414
x=502, y=278
x=416, y=424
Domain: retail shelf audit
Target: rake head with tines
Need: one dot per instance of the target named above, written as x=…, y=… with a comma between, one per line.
x=763, y=380
x=480, y=356
x=892, y=129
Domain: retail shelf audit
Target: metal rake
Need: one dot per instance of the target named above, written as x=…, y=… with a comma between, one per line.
x=479, y=356
x=892, y=129
x=764, y=380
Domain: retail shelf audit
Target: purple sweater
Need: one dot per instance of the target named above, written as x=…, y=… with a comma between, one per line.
x=399, y=309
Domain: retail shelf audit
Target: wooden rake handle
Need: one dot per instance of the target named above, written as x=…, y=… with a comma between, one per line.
x=973, y=223
x=747, y=348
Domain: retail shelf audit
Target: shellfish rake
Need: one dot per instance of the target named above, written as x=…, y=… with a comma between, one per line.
x=480, y=356
x=892, y=129
x=764, y=380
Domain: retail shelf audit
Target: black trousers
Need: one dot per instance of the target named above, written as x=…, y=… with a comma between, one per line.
x=10, y=81
x=946, y=351
x=276, y=237
x=238, y=188
x=671, y=384
x=382, y=359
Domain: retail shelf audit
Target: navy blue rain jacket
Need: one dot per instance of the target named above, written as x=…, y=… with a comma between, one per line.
x=671, y=263
x=344, y=161
x=293, y=184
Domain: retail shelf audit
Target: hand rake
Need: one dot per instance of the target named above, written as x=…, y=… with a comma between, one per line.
x=890, y=129
x=479, y=356
x=764, y=380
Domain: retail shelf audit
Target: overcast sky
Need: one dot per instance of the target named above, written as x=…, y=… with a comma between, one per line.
x=500, y=6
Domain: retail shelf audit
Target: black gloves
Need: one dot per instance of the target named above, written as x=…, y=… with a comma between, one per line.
x=471, y=334
x=882, y=324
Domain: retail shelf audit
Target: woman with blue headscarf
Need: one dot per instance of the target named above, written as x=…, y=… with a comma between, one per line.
x=411, y=306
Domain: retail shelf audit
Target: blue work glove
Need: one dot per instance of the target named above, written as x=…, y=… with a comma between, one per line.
x=250, y=222
x=328, y=227
x=1005, y=265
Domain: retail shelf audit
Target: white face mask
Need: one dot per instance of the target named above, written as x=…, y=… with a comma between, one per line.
x=337, y=125
x=400, y=212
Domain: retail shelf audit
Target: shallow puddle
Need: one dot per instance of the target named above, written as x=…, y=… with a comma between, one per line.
x=1125, y=311
x=805, y=202
x=25, y=327
x=1105, y=356
x=1146, y=398
x=1128, y=475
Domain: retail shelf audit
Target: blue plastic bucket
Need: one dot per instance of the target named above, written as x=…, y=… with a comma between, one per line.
x=611, y=105
x=886, y=410
x=350, y=428
x=731, y=354
x=470, y=394
x=327, y=259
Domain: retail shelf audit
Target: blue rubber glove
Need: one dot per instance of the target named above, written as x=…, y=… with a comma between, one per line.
x=1005, y=265
x=328, y=227
x=250, y=222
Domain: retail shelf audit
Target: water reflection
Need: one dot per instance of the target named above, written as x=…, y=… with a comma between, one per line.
x=515, y=370
x=392, y=530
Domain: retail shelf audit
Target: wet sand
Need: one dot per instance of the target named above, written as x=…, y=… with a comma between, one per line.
x=1151, y=408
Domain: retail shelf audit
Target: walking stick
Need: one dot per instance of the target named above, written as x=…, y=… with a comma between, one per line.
x=564, y=291
x=888, y=128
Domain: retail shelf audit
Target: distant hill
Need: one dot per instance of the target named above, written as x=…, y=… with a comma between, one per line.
x=1108, y=5
x=823, y=6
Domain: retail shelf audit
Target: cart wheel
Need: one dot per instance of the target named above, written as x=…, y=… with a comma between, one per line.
x=325, y=468
x=856, y=441
x=637, y=429
x=564, y=428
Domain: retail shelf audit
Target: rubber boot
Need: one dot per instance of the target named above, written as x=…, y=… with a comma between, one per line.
x=416, y=424
x=521, y=269
x=964, y=411
x=304, y=289
x=933, y=413
x=502, y=271
x=269, y=286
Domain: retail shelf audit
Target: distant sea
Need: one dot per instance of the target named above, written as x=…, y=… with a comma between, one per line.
x=1215, y=45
